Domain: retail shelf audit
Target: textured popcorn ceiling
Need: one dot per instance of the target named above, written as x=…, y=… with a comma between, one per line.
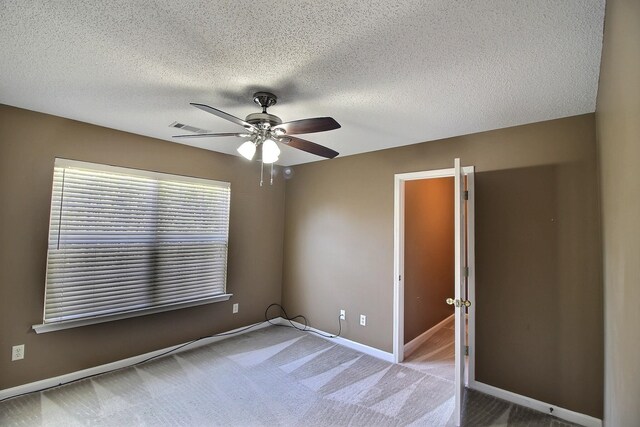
x=391, y=72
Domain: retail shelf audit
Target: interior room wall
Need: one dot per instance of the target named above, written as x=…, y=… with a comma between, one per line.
x=428, y=254
x=527, y=223
x=339, y=254
x=29, y=142
x=618, y=132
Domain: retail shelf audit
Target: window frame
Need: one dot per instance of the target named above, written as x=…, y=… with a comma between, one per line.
x=157, y=176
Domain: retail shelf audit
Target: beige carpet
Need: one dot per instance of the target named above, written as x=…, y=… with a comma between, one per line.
x=270, y=377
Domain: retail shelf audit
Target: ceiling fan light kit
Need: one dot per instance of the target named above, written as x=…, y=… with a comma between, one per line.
x=270, y=151
x=267, y=130
x=247, y=150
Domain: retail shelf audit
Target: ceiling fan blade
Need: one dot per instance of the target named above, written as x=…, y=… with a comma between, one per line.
x=308, y=146
x=223, y=115
x=317, y=124
x=211, y=135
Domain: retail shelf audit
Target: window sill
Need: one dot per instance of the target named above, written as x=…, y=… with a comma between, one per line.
x=57, y=326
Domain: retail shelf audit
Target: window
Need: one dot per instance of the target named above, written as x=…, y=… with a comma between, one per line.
x=125, y=242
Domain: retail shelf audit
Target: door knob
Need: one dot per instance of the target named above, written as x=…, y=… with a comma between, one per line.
x=458, y=302
x=452, y=301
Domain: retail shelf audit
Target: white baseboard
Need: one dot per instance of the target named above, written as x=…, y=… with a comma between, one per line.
x=371, y=351
x=412, y=345
x=547, y=408
x=66, y=378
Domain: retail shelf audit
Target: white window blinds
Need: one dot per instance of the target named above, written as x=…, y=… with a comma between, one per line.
x=126, y=242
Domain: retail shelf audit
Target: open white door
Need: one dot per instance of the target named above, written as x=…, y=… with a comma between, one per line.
x=459, y=297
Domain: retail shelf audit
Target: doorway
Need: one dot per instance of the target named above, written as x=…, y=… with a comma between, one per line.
x=464, y=269
x=428, y=262
x=429, y=277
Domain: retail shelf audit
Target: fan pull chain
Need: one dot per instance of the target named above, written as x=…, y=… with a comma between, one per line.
x=261, y=171
x=271, y=174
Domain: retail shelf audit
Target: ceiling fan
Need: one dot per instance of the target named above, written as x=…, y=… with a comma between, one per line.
x=265, y=130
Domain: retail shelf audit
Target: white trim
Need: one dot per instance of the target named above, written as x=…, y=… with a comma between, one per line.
x=58, y=326
x=119, y=364
x=437, y=173
x=398, y=253
x=398, y=270
x=371, y=351
x=412, y=345
x=547, y=408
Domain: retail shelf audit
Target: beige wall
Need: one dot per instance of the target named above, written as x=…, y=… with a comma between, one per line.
x=538, y=279
x=618, y=132
x=428, y=254
x=339, y=254
x=29, y=142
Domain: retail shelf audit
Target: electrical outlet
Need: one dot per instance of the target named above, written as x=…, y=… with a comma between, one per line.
x=343, y=315
x=17, y=352
x=236, y=306
x=363, y=320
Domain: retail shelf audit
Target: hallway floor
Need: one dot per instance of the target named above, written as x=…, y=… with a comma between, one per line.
x=436, y=355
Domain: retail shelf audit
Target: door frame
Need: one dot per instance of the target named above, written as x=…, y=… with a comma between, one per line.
x=398, y=261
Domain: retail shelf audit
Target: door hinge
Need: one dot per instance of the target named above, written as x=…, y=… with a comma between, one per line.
x=466, y=272
x=466, y=350
x=466, y=194
x=400, y=277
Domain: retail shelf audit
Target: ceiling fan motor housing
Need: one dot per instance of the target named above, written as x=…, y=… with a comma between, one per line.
x=264, y=120
x=258, y=119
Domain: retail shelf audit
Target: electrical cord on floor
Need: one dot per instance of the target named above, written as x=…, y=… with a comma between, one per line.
x=291, y=320
x=305, y=328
